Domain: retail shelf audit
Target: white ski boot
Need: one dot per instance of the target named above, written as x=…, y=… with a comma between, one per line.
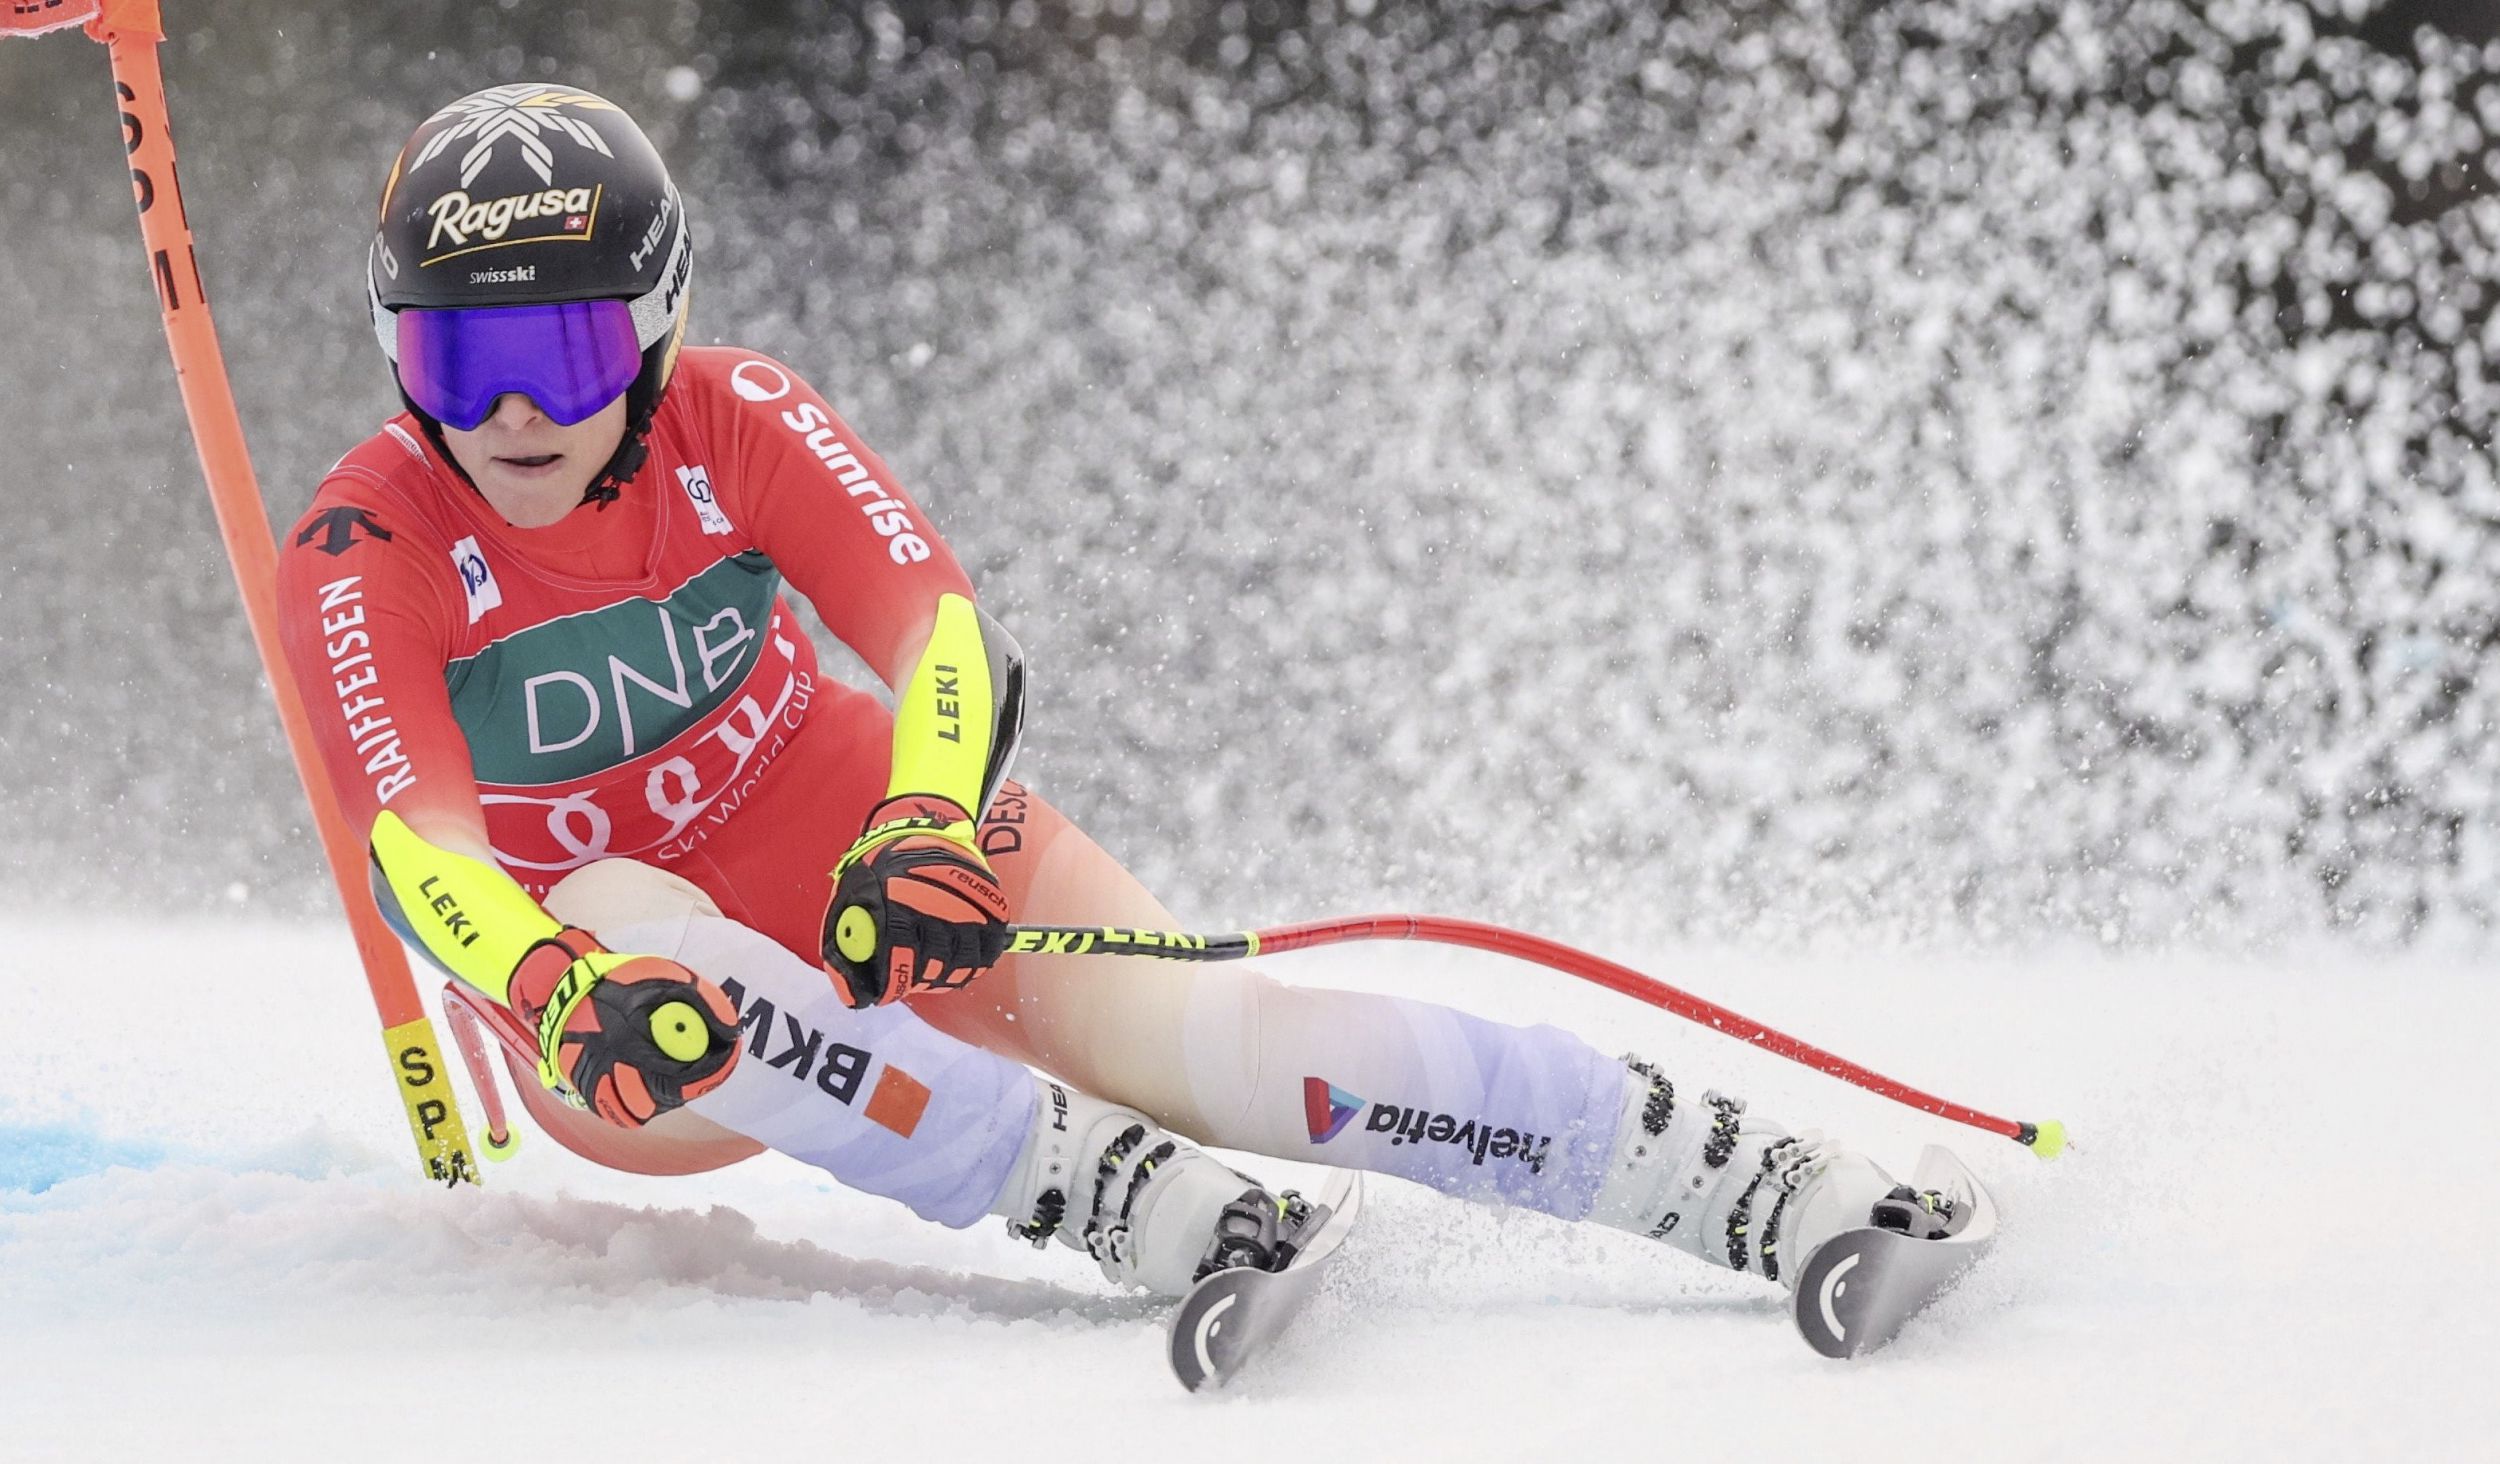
x=1151, y=1210
x=1745, y=1195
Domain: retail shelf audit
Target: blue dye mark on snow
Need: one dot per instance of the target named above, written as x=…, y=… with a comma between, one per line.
x=35, y=1157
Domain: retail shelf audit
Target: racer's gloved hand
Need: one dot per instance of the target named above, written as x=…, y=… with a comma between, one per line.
x=628, y=1037
x=915, y=907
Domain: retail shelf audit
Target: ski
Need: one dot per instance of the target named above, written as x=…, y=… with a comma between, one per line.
x=1230, y=1317
x=1862, y=1286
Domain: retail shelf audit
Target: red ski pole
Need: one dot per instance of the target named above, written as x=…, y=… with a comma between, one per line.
x=2046, y=1139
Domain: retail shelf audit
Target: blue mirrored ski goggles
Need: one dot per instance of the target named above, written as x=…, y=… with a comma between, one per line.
x=570, y=359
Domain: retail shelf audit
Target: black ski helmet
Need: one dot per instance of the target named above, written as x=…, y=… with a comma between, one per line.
x=537, y=194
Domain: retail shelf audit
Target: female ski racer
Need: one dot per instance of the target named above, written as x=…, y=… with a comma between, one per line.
x=538, y=620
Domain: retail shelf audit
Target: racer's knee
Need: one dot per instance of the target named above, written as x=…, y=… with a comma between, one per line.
x=613, y=895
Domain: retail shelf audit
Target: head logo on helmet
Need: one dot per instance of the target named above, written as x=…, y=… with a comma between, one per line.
x=536, y=195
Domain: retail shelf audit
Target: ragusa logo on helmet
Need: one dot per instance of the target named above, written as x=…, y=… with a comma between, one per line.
x=459, y=218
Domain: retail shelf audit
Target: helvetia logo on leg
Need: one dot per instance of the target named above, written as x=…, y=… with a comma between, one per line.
x=1327, y=1109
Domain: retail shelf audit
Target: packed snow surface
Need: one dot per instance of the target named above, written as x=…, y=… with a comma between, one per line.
x=2269, y=1242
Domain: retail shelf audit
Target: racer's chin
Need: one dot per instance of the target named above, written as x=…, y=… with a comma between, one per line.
x=532, y=469
x=533, y=489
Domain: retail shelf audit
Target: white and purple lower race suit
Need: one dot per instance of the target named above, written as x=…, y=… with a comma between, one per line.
x=888, y=1104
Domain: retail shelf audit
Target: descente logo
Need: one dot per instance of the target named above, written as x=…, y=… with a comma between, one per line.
x=458, y=218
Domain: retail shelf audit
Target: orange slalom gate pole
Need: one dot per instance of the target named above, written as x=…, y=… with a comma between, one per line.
x=132, y=30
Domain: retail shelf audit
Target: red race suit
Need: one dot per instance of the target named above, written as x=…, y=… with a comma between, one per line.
x=628, y=682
